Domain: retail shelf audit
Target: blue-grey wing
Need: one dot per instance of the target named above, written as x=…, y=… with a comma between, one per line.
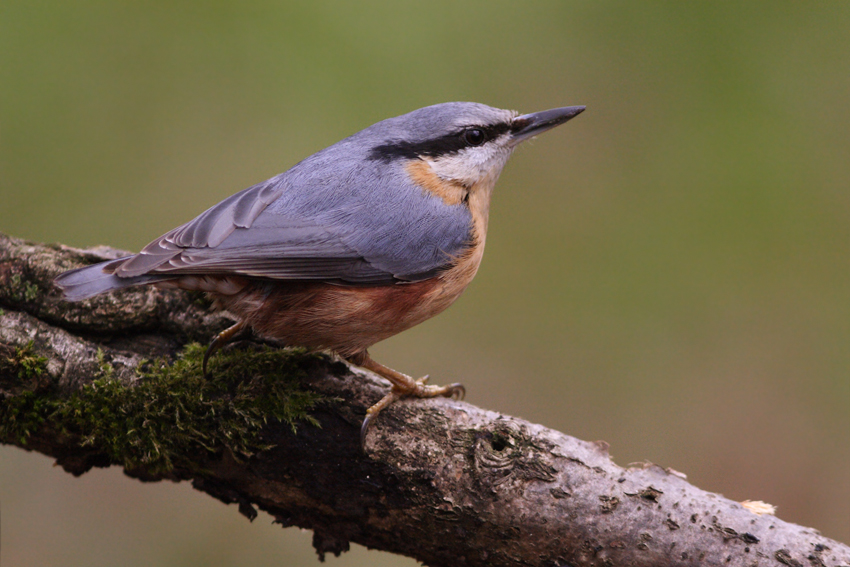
x=353, y=227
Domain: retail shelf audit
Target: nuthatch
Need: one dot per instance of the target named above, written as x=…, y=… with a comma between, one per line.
x=358, y=242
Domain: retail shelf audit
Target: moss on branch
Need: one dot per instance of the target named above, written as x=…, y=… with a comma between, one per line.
x=170, y=416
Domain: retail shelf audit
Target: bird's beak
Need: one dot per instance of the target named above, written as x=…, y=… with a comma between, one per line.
x=528, y=125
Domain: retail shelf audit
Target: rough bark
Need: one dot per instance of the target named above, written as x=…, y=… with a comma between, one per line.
x=442, y=481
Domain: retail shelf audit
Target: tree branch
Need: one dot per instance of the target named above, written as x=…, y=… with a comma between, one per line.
x=442, y=481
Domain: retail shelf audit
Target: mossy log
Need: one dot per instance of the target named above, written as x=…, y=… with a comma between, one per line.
x=116, y=381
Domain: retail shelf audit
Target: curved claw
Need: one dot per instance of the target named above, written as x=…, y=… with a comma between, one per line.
x=456, y=391
x=363, y=429
x=219, y=341
x=391, y=397
x=210, y=350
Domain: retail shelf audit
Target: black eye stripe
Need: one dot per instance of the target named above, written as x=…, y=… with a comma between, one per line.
x=436, y=147
x=491, y=131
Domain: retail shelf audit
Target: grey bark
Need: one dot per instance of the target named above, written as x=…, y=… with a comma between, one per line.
x=442, y=481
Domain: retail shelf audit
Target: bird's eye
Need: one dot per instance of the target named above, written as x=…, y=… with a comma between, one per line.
x=474, y=136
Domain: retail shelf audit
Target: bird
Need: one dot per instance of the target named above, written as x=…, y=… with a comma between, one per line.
x=352, y=245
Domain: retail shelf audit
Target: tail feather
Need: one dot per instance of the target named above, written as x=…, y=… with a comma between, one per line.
x=83, y=283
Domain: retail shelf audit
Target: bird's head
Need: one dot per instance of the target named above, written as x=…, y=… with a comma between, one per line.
x=460, y=143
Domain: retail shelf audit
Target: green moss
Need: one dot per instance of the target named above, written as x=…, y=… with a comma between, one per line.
x=22, y=415
x=30, y=365
x=106, y=370
x=172, y=415
x=24, y=371
x=23, y=363
x=30, y=292
x=23, y=291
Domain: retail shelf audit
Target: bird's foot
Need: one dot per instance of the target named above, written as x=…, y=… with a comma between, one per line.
x=424, y=390
x=419, y=390
x=403, y=386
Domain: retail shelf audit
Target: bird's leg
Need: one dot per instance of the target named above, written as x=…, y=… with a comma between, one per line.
x=222, y=339
x=403, y=386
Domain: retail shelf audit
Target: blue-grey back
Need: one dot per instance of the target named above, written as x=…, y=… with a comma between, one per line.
x=339, y=215
x=373, y=208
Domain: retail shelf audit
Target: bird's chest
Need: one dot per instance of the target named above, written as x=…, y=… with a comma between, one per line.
x=453, y=281
x=392, y=309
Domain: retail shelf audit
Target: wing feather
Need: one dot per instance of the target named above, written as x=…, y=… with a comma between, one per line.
x=207, y=230
x=305, y=226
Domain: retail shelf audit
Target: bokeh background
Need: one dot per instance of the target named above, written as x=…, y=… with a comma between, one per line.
x=669, y=272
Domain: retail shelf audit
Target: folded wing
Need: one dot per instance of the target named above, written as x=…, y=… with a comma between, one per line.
x=317, y=232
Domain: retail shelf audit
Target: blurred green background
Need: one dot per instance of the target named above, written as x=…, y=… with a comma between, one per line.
x=669, y=272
